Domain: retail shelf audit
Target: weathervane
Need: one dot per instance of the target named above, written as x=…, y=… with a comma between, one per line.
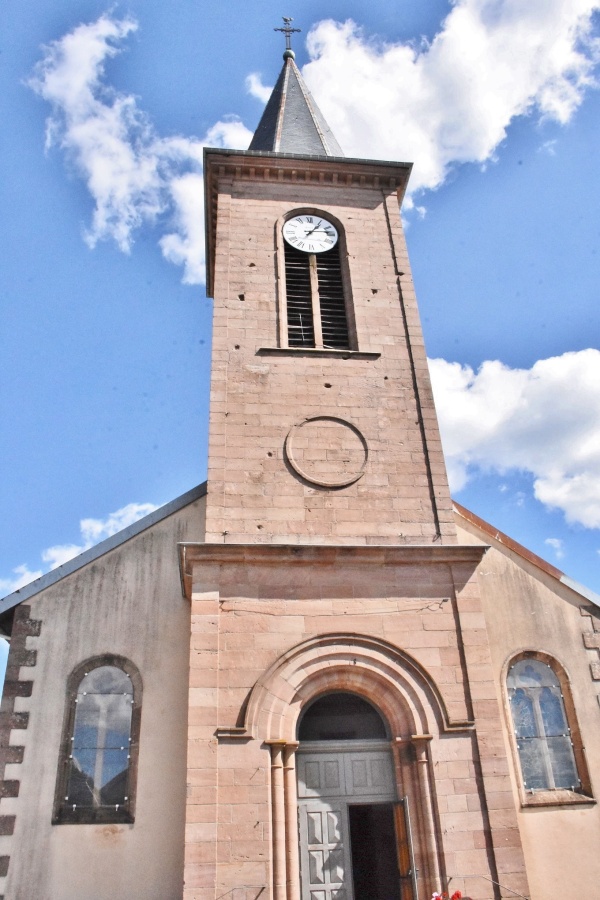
x=288, y=31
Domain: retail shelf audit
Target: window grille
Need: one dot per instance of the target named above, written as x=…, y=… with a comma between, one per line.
x=541, y=728
x=96, y=776
x=316, y=304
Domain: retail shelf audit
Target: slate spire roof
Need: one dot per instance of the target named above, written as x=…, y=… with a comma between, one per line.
x=292, y=121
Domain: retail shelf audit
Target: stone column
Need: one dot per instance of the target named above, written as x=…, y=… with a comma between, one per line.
x=278, y=818
x=291, y=821
x=421, y=743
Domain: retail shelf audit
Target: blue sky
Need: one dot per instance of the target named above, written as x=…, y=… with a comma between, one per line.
x=104, y=315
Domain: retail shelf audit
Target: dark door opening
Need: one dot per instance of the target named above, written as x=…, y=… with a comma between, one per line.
x=373, y=848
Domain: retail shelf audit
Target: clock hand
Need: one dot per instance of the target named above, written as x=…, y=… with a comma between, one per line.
x=308, y=233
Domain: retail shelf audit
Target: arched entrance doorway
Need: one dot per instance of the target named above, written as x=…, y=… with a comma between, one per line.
x=354, y=829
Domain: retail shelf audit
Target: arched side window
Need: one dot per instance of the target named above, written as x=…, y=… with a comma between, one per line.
x=98, y=759
x=544, y=727
x=317, y=309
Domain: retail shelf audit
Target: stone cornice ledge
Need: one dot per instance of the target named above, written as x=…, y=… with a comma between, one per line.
x=321, y=555
x=318, y=351
x=285, y=168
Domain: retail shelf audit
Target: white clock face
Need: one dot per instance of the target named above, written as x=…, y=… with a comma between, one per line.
x=312, y=234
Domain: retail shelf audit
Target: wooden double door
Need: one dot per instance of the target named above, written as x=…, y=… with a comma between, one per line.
x=355, y=839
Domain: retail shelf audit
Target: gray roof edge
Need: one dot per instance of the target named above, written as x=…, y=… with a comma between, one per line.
x=282, y=104
x=582, y=590
x=268, y=127
x=274, y=154
x=538, y=562
x=111, y=543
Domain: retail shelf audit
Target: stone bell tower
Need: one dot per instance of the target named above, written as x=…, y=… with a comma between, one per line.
x=322, y=425
x=330, y=567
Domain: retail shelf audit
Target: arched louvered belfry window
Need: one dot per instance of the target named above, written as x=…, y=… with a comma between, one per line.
x=544, y=727
x=98, y=760
x=316, y=298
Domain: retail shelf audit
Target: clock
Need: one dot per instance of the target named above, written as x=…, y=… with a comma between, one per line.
x=311, y=234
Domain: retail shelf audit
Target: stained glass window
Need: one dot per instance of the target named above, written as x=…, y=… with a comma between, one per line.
x=541, y=728
x=101, y=735
x=95, y=781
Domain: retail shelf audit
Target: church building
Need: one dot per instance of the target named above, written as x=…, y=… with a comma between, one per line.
x=313, y=677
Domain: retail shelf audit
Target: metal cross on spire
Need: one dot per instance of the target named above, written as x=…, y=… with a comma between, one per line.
x=288, y=31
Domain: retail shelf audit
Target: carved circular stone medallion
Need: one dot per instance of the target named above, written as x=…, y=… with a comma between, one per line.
x=327, y=451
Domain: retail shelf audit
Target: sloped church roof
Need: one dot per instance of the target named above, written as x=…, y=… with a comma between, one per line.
x=292, y=121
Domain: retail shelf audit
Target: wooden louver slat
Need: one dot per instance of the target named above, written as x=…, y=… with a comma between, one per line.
x=328, y=302
x=301, y=329
x=334, y=321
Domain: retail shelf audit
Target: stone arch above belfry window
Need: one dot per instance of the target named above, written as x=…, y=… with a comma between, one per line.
x=97, y=767
x=315, y=307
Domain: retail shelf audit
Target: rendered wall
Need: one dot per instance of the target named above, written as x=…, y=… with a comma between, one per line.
x=127, y=602
x=527, y=609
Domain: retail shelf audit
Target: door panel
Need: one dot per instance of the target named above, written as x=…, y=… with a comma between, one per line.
x=324, y=852
x=314, y=824
x=406, y=861
x=369, y=774
x=321, y=775
x=328, y=782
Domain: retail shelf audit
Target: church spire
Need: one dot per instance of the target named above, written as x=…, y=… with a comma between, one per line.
x=292, y=121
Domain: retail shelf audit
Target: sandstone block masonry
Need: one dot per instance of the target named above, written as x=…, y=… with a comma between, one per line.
x=261, y=389
x=273, y=626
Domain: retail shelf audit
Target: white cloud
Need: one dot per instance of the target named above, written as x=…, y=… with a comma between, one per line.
x=544, y=421
x=557, y=545
x=548, y=147
x=450, y=101
x=21, y=575
x=95, y=530
x=256, y=88
x=440, y=104
x=92, y=531
x=134, y=176
x=184, y=246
